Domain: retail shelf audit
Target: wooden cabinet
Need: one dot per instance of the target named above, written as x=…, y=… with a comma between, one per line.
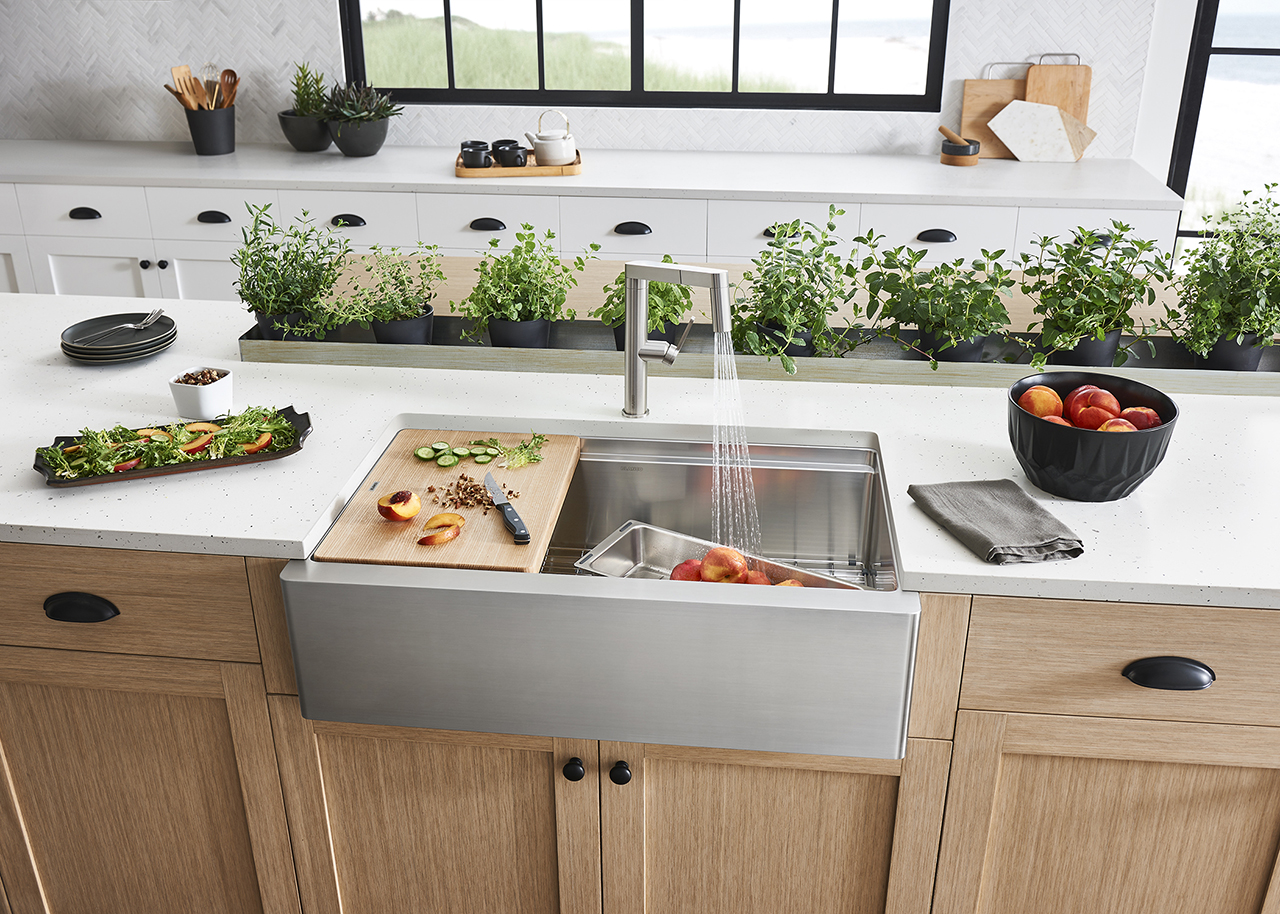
x=136, y=779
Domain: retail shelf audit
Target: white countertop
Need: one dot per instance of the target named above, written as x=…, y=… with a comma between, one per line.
x=1199, y=531
x=808, y=177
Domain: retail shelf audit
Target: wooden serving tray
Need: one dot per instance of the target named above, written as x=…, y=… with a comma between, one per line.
x=362, y=535
x=531, y=170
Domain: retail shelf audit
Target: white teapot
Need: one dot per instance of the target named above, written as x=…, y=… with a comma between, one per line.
x=555, y=148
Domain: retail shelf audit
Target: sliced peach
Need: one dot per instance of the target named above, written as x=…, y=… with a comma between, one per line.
x=202, y=427
x=263, y=440
x=71, y=450
x=444, y=520
x=127, y=465
x=196, y=445
x=434, y=536
x=400, y=505
x=154, y=433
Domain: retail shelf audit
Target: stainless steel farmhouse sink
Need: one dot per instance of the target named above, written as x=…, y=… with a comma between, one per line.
x=568, y=654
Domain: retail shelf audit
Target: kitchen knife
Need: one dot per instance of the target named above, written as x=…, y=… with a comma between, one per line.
x=509, y=516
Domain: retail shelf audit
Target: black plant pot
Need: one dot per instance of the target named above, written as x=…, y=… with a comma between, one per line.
x=802, y=345
x=520, y=334
x=1090, y=351
x=965, y=351
x=267, y=326
x=1228, y=355
x=414, y=331
x=666, y=333
x=358, y=138
x=213, y=132
x=305, y=134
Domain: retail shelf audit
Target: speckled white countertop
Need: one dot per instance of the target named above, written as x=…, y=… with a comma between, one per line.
x=1199, y=531
x=808, y=177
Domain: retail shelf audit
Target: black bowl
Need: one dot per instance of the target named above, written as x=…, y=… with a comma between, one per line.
x=1080, y=463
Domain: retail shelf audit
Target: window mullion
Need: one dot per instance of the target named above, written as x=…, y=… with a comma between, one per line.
x=448, y=43
x=737, y=36
x=542, y=54
x=637, y=47
x=831, y=70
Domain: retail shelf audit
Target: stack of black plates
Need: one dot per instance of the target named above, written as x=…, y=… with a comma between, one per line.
x=123, y=345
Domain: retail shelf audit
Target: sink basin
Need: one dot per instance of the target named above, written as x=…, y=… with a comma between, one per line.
x=569, y=654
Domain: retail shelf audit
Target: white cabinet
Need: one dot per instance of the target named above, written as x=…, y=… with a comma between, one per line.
x=204, y=214
x=464, y=223
x=958, y=231
x=736, y=228
x=198, y=269
x=94, y=266
x=15, y=266
x=1156, y=225
x=366, y=218
x=84, y=211
x=627, y=228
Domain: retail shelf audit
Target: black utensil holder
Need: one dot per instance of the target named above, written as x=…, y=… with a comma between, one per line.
x=213, y=132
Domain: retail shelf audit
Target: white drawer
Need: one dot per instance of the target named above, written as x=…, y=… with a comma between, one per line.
x=466, y=222
x=389, y=218
x=15, y=265
x=735, y=228
x=10, y=218
x=974, y=227
x=204, y=214
x=1156, y=225
x=677, y=227
x=47, y=208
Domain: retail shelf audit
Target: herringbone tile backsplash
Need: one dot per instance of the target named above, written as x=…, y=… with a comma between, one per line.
x=94, y=69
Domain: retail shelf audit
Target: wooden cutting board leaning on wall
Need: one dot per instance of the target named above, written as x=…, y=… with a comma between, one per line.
x=984, y=99
x=361, y=534
x=1064, y=85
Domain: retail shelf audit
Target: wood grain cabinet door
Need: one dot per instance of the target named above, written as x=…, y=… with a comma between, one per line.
x=712, y=831
x=397, y=819
x=1059, y=815
x=134, y=785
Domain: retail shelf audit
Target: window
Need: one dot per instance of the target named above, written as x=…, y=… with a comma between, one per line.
x=1228, y=139
x=818, y=54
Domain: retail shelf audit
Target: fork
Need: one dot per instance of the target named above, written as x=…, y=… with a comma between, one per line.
x=140, y=325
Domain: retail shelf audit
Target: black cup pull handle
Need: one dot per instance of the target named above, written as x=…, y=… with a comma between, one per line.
x=574, y=769
x=85, y=212
x=74, y=606
x=770, y=233
x=487, y=224
x=145, y=264
x=620, y=773
x=213, y=217
x=162, y=264
x=347, y=220
x=940, y=236
x=632, y=228
x=1176, y=674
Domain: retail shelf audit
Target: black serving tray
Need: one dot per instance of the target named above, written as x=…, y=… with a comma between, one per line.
x=300, y=421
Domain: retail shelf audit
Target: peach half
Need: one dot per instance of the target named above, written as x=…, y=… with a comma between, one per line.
x=400, y=505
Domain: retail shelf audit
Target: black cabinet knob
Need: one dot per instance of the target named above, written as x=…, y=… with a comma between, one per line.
x=85, y=212
x=162, y=264
x=941, y=236
x=620, y=773
x=347, y=220
x=632, y=228
x=213, y=217
x=145, y=264
x=487, y=224
x=74, y=606
x=1175, y=674
x=574, y=770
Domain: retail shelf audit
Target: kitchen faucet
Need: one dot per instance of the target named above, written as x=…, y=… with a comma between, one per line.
x=639, y=349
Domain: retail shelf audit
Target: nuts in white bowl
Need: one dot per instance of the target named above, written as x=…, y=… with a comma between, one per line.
x=202, y=392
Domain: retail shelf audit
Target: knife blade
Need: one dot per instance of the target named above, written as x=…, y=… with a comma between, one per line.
x=519, y=532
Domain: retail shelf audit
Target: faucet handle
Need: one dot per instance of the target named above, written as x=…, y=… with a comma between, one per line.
x=684, y=335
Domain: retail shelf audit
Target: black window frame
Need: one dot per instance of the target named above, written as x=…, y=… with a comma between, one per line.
x=1199, y=55
x=931, y=100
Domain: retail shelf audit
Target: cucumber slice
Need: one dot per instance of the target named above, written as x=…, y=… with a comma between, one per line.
x=483, y=458
x=441, y=446
x=461, y=452
x=446, y=460
x=425, y=453
x=492, y=451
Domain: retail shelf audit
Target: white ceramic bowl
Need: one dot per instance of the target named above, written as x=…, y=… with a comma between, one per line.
x=202, y=401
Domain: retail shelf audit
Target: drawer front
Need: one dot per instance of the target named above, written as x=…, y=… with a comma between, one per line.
x=974, y=227
x=736, y=228
x=176, y=212
x=676, y=227
x=15, y=266
x=47, y=208
x=466, y=222
x=389, y=218
x=170, y=605
x=1160, y=226
x=10, y=217
x=1067, y=657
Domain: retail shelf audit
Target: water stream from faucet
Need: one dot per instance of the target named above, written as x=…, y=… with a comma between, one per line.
x=735, y=520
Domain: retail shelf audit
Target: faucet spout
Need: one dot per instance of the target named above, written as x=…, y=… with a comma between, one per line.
x=638, y=348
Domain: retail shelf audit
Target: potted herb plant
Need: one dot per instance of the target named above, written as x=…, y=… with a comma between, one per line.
x=794, y=286
x=1084, y=290
x=303, y=124
x=521, y=292
x=668, y=303
x=1229, y=298
x=357, y=117
x=954, y=305
x=287, y=274
x=395, y=297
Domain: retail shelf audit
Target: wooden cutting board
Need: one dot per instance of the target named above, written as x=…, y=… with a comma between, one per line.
x=361, y=534
x=983, y=100
x=1066, y=86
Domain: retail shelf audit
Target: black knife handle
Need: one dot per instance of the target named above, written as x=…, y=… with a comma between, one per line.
x=515, y=525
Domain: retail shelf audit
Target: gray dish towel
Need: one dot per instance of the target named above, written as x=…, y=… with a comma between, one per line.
x=998, y=521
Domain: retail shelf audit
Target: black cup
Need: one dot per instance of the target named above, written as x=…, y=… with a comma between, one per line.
x=512, y=156
x=476, y=157
x=498, y=144
x=474, y=144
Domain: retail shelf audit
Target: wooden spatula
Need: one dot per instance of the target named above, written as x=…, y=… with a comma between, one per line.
x=189, y=105
x=226, y=82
